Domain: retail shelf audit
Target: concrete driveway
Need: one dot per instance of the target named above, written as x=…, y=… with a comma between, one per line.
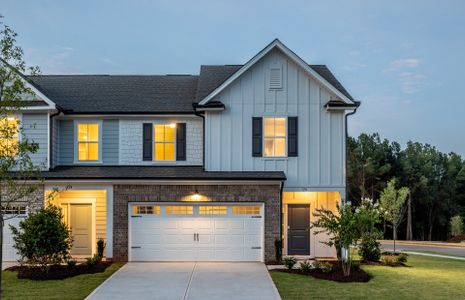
x=188, y=280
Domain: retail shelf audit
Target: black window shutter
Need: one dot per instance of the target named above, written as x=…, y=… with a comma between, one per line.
x=257, y=136
x=147, y=139
x=292, y=141
x=181, y=141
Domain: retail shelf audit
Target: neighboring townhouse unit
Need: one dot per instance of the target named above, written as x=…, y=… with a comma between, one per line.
x=215, y=166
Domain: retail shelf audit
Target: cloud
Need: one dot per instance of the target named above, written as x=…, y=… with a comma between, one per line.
x=403, y=64
x=58, y=63
x=411, y=82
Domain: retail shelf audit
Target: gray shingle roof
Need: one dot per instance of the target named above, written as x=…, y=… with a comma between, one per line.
x=143, y=93
x=120, y=93
x=154, y=173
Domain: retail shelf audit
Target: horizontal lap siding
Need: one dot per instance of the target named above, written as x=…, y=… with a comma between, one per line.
x=110, y=141
x=35, y=129
x=66, y=142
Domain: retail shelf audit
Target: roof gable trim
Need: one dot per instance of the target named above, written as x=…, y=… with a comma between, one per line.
x=299, y=61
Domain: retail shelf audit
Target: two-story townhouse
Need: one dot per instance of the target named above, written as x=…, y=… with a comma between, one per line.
x=215, y=166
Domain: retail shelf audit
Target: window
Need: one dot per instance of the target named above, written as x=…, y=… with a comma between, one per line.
x=213, y=210
x=8, y=137
x=88, y=141
x=145, y=209
x=164, y=139
x=246, y=210
x=14, y=210
x=179, y=210
x=274, y=140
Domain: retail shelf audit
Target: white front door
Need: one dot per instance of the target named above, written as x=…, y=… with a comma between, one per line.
x=78, y=217
x=190, y=232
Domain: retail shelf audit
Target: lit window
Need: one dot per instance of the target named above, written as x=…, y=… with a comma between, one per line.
x=8, y=137
x=274, y=137
x=179, y=210
x=213, y=210
x=88, y=140
x=246, y=210
x=146, y=210
x=164, y=137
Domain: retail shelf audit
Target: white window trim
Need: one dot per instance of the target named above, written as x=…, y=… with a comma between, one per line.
x=263, y=137
x=153, y=142
x=100, y=142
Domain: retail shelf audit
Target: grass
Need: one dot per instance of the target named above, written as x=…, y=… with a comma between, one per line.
x=77, y=287
x=427, y=278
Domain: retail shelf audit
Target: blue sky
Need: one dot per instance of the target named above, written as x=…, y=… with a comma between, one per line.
x=403, y=59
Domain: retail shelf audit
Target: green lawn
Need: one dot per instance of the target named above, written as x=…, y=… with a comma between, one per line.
x=71, y=288
x=428, y=278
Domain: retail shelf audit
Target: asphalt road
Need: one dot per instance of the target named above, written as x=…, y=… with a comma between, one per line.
x=443, y=250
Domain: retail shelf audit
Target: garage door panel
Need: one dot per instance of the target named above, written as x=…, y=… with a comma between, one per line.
x=214, y=237
x=9, y=252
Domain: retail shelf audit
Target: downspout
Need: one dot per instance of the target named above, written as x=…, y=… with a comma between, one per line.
x=203, y=137
x=347, y=152
x=281, y=215
x=50, y=147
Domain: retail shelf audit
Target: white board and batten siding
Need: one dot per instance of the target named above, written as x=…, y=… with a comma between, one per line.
x=321, y=142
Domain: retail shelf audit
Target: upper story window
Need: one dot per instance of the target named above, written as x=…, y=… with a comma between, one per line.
x=8, y=137
x=274, y=137
x=164, y=141
x=88, y=141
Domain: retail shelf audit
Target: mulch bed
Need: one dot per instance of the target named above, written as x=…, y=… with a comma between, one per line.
x=336, y=274
x=457, y=239
x=58, y=271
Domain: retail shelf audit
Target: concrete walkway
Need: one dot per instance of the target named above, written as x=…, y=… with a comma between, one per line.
x=188, y=280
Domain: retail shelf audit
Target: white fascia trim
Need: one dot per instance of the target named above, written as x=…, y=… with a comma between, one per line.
x=341, y=108
x=37, y=108
x=159, y=182
x=124, y=116
x=40, y=94
x=299, y=61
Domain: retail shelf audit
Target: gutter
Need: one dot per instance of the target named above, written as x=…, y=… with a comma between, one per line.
x=203, y=136
x=347, y=150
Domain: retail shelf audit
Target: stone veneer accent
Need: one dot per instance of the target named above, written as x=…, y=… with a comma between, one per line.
x=130, y=141
x=123, y=194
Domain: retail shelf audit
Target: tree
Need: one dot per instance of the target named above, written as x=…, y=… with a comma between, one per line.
x=16, y=166
x=343, y=230
x=392, y=203
x=456, y=226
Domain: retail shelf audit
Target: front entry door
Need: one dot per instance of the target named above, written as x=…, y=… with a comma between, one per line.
x=80, y=223
x=298, y=234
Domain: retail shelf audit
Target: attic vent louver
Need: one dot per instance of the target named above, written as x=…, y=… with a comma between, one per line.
x=276, y=78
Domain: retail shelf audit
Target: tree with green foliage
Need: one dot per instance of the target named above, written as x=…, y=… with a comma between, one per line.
x=392, y=203
x=343, y=230
x=17, y=191
x=368, y=216
x=456, y=226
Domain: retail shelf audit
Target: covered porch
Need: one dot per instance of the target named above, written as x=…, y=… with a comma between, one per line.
x=297, y=214
x=84, y=210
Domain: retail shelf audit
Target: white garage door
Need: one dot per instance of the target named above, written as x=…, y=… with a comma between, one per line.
x=191, y=232
x=10, y=253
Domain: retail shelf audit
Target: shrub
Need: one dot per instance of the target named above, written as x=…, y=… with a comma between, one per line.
x=71, y=263
x=289, y=262
x=306, y=266
x=355, y=264
x=325, y=266
x=456, y=225
x=390, y=260
x=369, y=248
x=42, y=238
x=93, y=261
x=100, y=247
x=278, y=248
x=402, y=258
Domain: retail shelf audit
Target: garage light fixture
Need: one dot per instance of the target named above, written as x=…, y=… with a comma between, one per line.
x=196, y=196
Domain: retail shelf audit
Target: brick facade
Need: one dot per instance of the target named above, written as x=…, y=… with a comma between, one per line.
x=123, y=194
